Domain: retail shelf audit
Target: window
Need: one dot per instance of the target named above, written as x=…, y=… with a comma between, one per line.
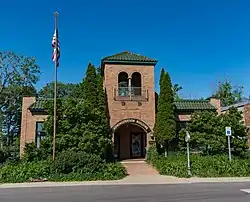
x=123, y=84
x=39, y=133
x=136, y=83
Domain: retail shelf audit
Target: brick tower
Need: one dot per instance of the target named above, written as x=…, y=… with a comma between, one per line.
x=129, y=85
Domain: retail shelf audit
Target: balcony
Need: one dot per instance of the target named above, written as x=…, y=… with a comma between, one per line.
x=130, y=94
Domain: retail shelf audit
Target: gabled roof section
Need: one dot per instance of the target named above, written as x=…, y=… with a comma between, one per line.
x=192, y=105
x=128, y=57
x=39, y=105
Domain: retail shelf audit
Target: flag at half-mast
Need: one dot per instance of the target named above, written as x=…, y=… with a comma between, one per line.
x=56, y=48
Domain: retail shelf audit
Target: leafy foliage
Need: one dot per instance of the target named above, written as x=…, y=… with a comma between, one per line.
x=18, y=76
x=63, y=90
x=164, y=129
x=208, y=132
x=202, y=166
x=82, y=122
x=78, y=128
x=228, y=94
x=176, y=89
x=62, y=170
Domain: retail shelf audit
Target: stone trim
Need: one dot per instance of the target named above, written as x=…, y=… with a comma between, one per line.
x=134, y=121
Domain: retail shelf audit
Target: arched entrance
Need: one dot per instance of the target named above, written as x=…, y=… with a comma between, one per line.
x=130, y=139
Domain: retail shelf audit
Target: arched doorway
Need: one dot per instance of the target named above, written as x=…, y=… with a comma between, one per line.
x=130, y=139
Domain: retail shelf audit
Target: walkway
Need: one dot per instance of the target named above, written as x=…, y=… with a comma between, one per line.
x=140, y=171
x=138, y=167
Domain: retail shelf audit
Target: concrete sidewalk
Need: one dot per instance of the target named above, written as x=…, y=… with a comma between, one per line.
x=130, y=180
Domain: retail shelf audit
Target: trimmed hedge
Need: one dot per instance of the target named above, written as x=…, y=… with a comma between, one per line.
x=201, y=166
x=68, y=166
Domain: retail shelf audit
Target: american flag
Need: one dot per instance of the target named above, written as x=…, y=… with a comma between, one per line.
x=56, y=47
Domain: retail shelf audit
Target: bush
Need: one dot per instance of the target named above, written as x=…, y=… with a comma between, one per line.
x=32, y=153
x=111, y=171
x=202, y=166
x=152, y=154
x=24, y=172
x=68, y=166
x=70, y=161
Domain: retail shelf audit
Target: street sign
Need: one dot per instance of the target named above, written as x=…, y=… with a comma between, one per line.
x=228, y=131
x=228, y=134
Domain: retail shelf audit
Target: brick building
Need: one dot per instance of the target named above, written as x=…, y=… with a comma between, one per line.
x=129, y=84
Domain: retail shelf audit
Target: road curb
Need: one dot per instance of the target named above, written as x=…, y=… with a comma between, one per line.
x=123, y=182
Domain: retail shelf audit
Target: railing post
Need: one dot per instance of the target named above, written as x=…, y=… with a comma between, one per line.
x=129, y=86
x=114, y=93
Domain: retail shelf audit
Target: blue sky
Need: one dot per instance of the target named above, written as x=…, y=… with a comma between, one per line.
x=198, y=42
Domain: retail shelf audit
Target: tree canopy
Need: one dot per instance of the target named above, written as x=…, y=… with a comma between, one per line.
x=63, y=90
x=228, y=94
x=18, y=75
x=82, y=123
x=208, y=132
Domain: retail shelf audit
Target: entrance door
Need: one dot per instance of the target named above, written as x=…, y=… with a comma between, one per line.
x=136, y=145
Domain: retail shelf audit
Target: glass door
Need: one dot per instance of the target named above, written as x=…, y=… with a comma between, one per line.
x=136, y=145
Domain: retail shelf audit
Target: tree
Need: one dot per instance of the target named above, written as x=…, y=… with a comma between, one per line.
x=18, y=74
x=90, y=92
x=16, y=71
x=78, y=128
x=11, y=111
x=228, y=94
x=63, y=90
x=164, y=129
x=176, y=89
x=208, y=132
x=82, y=123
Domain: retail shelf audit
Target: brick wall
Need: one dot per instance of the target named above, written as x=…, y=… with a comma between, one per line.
x=28, y=123
x=246, y=115
x=131, y=109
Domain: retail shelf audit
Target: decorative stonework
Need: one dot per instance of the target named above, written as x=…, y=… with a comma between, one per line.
x=132, y=121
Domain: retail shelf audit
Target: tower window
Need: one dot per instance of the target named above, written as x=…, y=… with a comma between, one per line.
x=123, y=84
x=136, y=83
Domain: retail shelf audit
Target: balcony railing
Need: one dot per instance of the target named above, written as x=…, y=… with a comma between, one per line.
x=130, y=93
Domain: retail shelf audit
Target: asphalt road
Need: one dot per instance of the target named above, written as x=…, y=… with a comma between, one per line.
x=217, y=192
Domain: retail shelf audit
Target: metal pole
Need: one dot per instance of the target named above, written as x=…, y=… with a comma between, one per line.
x=55, y=93
x=229, y=148
x=188, y=155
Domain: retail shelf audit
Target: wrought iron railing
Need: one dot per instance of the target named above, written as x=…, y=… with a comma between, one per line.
x=130, y=93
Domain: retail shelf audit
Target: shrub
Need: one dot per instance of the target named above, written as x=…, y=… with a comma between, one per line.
x=23, y=172
x=69, y=161
x=110, y=171
x=32, y=153
x=68, y=166
x=202, y=166
x=152, y=154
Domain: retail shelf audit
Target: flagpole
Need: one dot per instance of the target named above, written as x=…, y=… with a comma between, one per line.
x=55, y=92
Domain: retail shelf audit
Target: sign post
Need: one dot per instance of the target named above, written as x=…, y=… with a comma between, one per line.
x=228, y=134
x=187, y=139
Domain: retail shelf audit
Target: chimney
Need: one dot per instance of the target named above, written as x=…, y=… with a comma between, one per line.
x=216, y=103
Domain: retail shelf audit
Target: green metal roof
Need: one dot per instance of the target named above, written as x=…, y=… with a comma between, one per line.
x=183, y=105
x=39, y=105
x=128, y=57
x=191, y=105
